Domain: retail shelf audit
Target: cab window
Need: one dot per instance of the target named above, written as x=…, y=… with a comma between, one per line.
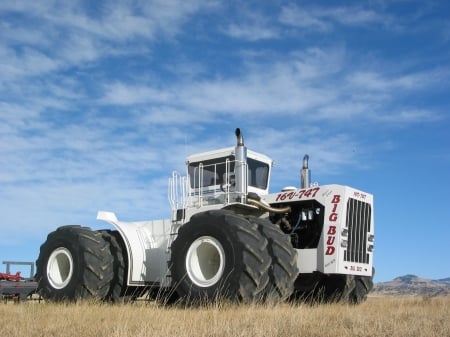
x=215, y=170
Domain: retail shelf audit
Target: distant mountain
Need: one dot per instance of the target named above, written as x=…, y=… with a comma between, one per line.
x=412, y=285
x=444, y=280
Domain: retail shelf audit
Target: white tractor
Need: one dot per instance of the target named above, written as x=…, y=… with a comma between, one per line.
x=227, y=238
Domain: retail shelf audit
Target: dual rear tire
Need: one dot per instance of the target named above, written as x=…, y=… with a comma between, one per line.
x=74, y=263
x=220, y=254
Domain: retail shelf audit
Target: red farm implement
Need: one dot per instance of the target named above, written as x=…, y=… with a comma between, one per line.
x=14, y=286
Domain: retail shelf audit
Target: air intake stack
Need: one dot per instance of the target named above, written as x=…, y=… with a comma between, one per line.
x=240, y=168
x=305, y=173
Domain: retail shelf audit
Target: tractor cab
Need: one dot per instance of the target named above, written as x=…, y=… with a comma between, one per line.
x=216, y=179
x=212, y=177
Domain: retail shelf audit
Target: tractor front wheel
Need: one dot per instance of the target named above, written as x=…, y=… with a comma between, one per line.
x=363, y=286
x=317, y=287
x=219, y=255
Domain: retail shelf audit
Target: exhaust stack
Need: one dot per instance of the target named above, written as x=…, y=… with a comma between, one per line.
x=240, y=167
x=305, y=173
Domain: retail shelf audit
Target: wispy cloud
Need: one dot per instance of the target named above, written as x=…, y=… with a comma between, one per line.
x=298, y=17
x=323, y=19
x=251, y=32
x=316, y=84
x=403, y=81
x=121, y=94
x=66, y=35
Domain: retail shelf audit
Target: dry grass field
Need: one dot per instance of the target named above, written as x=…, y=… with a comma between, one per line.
x=390, y=317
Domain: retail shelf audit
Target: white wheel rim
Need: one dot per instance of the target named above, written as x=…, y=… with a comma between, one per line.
x=60, y=268
x=205, y=261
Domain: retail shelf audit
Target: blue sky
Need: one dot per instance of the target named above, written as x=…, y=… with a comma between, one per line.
x=100, y=101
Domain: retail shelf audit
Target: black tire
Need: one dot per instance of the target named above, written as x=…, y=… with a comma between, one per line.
x=74, y=263
x=338, y=288
x=320, y=288
x=352, y=289
x=219, y=255
x=283, y=270
x=323, y=288
x=118, y=285
x=363, y=286
x=308, y=287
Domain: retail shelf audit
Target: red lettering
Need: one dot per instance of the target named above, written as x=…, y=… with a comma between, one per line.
x=315, y=189
x=336, y=199
x=332, y=230
x=330, y=250
x=334, y=208
x=333, y=217
x=330, y=240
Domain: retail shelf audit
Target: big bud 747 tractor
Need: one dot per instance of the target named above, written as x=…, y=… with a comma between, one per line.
x=228, y=238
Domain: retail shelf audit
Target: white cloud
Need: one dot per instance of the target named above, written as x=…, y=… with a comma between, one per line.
x=251, y=31
x=323, y=19
x=65, y=35
x=286, y=85
x=24, y=63
x=301, y=17
x=407, y=116
x=381, y=82
x=316, y=84
x=121, y=94
x=352, y=16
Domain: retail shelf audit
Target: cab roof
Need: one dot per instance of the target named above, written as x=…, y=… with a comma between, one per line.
x=225, y=152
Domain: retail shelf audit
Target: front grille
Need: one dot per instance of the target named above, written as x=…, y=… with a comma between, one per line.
x=359, y=215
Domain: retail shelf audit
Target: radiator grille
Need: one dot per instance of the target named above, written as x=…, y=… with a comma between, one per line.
x=359, y=216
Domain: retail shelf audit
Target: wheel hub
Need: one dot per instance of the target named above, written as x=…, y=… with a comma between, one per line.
x=205, y=261
x=60, y=268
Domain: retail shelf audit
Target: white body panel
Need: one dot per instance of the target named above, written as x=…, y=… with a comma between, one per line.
x=307, y=260
x=330, y=255
x=147, y=248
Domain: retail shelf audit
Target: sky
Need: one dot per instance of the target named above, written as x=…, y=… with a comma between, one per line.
x=101, y=100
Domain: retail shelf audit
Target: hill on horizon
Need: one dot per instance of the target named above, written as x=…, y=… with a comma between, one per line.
x=412, y=285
